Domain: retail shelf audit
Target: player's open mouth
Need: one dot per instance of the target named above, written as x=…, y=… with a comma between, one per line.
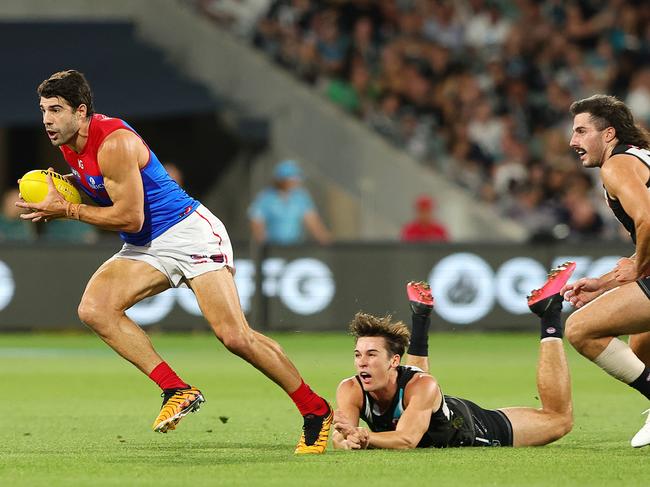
x=51, y=133
x=581, y=152
x=365, y=377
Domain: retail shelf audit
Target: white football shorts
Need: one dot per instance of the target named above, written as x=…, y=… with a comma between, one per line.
x=194, y=246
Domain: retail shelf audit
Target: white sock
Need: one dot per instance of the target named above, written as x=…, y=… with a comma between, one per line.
x=619, y=361
x=551, y=339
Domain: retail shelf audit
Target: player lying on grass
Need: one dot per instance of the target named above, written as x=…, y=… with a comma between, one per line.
x=404, y=407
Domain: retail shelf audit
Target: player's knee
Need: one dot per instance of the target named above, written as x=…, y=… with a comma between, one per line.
x=566, y=424
x=91, y=312
x=87, y=311
x=238, y=342
x=574, y=332
x=563, y=424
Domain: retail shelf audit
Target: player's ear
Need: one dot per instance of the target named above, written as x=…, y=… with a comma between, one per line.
x=82, y=110
x=395, y=360
x=610, y=134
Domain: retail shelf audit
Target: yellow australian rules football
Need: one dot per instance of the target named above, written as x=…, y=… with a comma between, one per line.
x=33, y=186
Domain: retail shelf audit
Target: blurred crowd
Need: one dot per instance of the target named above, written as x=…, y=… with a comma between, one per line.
x=15, y=230
x=476, y=89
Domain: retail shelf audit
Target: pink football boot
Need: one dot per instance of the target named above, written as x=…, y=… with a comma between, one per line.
x=541, y=298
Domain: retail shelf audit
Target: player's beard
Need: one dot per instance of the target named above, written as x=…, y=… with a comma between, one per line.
x=64, y=135
x=595, y=155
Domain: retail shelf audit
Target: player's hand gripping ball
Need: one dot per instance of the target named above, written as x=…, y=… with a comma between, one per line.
x=33, y=187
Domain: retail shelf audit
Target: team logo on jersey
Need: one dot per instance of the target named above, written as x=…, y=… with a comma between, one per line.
x=95, y=182
x=81, y=163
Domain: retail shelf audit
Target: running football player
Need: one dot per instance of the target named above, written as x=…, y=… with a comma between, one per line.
x=605, y=136
x=170, y=240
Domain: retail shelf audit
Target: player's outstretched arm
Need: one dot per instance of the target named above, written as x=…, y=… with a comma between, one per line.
x=586, y=289
x=349, y=401
x=424, y=396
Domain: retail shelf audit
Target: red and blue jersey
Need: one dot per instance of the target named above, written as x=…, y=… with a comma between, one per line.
x=165, y=202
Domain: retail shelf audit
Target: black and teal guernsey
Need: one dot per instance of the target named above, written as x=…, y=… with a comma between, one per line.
x=456, y=423
x=615, y=205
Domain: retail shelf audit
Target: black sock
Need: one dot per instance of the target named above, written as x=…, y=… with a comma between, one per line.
x=642, y=383
x=419, y=335
x=552, y=320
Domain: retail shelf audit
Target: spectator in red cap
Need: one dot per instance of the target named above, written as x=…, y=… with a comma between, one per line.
x=424, y=228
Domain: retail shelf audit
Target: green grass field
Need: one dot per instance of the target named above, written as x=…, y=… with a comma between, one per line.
x=73, y=413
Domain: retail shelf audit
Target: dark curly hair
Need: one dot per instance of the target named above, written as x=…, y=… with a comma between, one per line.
x=396, y=334
x=609, y=111
x=72, y=86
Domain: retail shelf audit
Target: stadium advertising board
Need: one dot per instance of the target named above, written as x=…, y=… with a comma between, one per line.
x=312, y=288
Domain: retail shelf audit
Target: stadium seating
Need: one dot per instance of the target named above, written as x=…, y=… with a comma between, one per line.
x=128, y=76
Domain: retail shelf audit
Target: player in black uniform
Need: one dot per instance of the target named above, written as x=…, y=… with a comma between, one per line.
x=404, y=406
x=605, y=136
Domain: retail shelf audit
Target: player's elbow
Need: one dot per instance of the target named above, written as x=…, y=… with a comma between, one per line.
x=564, y=423
x=407, y=446
x=407, y=442
x=568, y=426
x=133, y=222
x=558, y=425
x=411, y=443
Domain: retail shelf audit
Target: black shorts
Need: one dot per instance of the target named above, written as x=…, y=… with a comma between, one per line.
x=492, y=427
x=644, y=284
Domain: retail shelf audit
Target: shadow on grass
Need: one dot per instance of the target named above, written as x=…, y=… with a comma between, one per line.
x=203, y=453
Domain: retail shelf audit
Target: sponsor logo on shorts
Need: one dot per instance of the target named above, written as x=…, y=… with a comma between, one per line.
x=201, y=259
x=550, y=329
